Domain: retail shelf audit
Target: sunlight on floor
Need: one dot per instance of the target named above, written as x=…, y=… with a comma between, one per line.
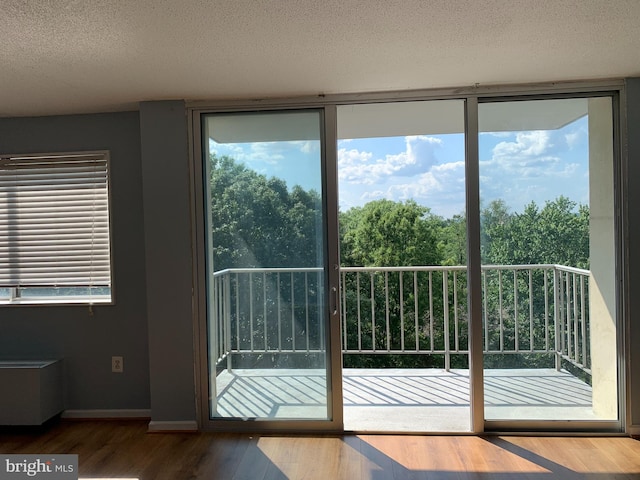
x=473, y=451
x=367, y=456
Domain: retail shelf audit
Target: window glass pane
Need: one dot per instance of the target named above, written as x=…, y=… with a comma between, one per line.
x=401, y=168
x=65, y=292
x=548, y=254
x=266, y=266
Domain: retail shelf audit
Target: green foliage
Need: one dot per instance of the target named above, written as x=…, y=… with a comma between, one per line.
x=556, y=234
x=452, y=240
x=386, y=233
x=257, y=222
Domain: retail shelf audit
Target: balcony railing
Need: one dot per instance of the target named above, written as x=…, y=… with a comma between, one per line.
x=528, y=310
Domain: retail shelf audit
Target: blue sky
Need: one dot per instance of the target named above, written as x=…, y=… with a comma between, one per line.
x=518, y=167
x=296, y=162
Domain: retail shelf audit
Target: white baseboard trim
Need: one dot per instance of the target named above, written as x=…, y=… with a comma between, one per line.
x=173, y=426
x=106, y=413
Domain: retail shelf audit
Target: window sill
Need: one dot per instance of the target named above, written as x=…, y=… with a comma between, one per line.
x=57, y=301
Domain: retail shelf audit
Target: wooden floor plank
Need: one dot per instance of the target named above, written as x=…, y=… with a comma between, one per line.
x=254, y=463
x=124, y=449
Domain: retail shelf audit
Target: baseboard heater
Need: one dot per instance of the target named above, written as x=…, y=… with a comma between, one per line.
x=32, y=391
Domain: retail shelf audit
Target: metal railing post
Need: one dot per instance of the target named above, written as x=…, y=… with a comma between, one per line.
x=584, y=316
x=214, y=330
x=251, y=315
x=445, y=303
x=557, y=317
x=227, y=319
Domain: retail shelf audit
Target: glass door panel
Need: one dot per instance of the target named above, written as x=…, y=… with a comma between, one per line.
x=403, y=249
x=266, y=263
x=548, y=255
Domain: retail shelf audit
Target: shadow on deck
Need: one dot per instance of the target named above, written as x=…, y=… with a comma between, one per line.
x=404, y=400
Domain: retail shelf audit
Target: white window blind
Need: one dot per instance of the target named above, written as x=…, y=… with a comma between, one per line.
x=54, y=220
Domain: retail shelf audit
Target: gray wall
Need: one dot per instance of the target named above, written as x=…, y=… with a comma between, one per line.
x=633, y=244
x=85, y=341
x=167, y=225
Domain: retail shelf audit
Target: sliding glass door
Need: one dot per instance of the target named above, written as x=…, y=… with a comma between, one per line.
x=468, y=281
x=548, y=255
x=268, y=290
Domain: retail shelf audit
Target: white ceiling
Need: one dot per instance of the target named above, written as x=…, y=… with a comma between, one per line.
x=76, y=56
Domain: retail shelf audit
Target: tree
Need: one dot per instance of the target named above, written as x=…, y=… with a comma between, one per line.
x=257, y=222
x=557, y=234
x=452, y=240
x=387, y=233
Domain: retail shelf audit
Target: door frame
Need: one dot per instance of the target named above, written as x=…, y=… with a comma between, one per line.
x=621, y=318
x=472, y=96
x=200, y=295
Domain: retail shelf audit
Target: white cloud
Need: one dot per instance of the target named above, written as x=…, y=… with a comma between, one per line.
x=422, y=187
x=251, y=154
x=353, y=157
x=518, y=167
x=435, y=181
x=354, y=167
x=424, y=138
x=226, y=149
x=497, y=134
x=527, y=145
x=267, y=157
x=576, y=138
x=310, y=146
x=442, y=188
x=373, y=195
x=264, y=152
x=358, y=167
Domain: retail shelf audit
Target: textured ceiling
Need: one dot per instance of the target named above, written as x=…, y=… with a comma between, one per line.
x=74, y=56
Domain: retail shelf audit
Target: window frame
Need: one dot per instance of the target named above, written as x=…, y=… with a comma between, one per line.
x=16, y=293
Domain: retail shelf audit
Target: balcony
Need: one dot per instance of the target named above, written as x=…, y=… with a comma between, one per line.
x=404, y=340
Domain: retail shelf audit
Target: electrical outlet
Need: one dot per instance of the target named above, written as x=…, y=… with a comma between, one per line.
x=117, y=365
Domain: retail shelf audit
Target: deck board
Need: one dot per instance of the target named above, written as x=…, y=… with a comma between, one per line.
x=405, y=400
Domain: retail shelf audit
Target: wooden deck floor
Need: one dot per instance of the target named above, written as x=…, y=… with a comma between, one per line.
x=405, y=400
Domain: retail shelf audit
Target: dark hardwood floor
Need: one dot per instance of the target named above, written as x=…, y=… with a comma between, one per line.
x=124, y=450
